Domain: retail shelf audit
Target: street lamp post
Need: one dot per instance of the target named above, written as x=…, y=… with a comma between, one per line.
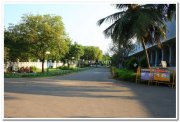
x=47, y=53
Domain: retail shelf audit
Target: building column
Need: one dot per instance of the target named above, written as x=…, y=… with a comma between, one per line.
x=156, y=57
x=151, y=58
x=162, y=55
x=170, y=54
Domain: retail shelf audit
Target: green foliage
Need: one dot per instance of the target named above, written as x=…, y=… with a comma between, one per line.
x=85, y=64
x=129, y=63
x=35, y=69
x=49, y=74
x=123, y=74
x=35, y=35
x=92, y=53
x=6, y=54
x=13, y=47
x=106, y=57
x=144, y=23
x=75, y=51
x=62, y=48
x=120, y=52
x=143, y=62
x=115, y=60
x=65, y=68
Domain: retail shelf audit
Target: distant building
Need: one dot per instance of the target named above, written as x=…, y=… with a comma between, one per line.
x=156, y=55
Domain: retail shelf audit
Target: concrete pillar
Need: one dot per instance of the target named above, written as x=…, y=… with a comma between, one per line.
x=151, y=61
x=162, y=55
x=156, y=57
x=138, y=58
x=170, y=55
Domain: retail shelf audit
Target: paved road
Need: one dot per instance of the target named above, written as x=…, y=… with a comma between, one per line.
x=87, y=94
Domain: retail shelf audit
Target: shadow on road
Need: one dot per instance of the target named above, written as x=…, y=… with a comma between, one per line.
x=159, y=101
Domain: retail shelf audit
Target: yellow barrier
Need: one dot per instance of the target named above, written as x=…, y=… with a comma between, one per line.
x=157, y=75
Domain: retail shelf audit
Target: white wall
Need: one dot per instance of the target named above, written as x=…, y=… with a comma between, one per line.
x=16, y=65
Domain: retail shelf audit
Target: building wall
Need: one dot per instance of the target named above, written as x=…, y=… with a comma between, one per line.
x=167, y=53
x=16, y=65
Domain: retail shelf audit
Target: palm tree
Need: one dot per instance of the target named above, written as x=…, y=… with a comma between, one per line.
x=145, y=23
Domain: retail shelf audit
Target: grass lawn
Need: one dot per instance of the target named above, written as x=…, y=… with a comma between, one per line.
x=52, y=72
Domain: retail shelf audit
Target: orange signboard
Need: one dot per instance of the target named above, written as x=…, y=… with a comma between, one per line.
x=155, y=74
x=161, y=75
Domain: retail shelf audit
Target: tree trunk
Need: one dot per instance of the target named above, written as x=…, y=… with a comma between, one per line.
x=146, y=53
x=68, y=64
x=42, y=66
x=119, y=55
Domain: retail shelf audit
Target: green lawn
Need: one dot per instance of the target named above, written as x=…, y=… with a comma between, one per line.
x=52, y=72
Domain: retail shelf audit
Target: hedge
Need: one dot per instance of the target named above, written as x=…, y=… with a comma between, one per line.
x=123, y=74
x=45, y=74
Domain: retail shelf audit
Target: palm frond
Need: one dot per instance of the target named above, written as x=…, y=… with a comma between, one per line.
x=108, y=31
x=121, y=6
x=110, y=18
x=171, y=11
x=145, y=22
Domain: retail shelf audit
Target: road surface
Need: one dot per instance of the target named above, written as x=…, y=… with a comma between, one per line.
x=87, y=94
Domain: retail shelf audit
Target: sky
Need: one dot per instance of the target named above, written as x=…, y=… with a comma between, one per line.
x=80, y=19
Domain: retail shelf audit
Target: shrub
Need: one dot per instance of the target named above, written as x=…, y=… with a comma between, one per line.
x=45, y=74
x=35, y=69
x=129, y=64
x=85, y=64
x=123, y=74
x=65, y=68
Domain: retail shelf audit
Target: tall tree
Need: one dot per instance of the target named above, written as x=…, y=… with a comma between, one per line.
x=120, y=52
x=76, y=51
x=60, y=49
x=16, y=48
x=6, y=54
x=92, y=53
x=41, y=33
x=145, y=23
x=106, y=58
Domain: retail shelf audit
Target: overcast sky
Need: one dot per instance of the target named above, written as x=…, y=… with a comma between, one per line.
x=80, y=19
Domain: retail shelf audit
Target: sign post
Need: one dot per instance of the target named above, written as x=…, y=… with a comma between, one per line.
x=138, y=74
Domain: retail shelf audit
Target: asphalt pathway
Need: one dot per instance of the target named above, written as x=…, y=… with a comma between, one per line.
x=87, y=94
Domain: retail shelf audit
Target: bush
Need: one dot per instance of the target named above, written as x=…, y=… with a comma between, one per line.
x=85, y=64
x=27, y=69
x=45, y=74
x=129, y=64
x=35, y=69
x=123, y=74
x=65, y=68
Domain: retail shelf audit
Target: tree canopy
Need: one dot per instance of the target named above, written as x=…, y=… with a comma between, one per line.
x=76, y=51
x=92, y=53
x=37, y=34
